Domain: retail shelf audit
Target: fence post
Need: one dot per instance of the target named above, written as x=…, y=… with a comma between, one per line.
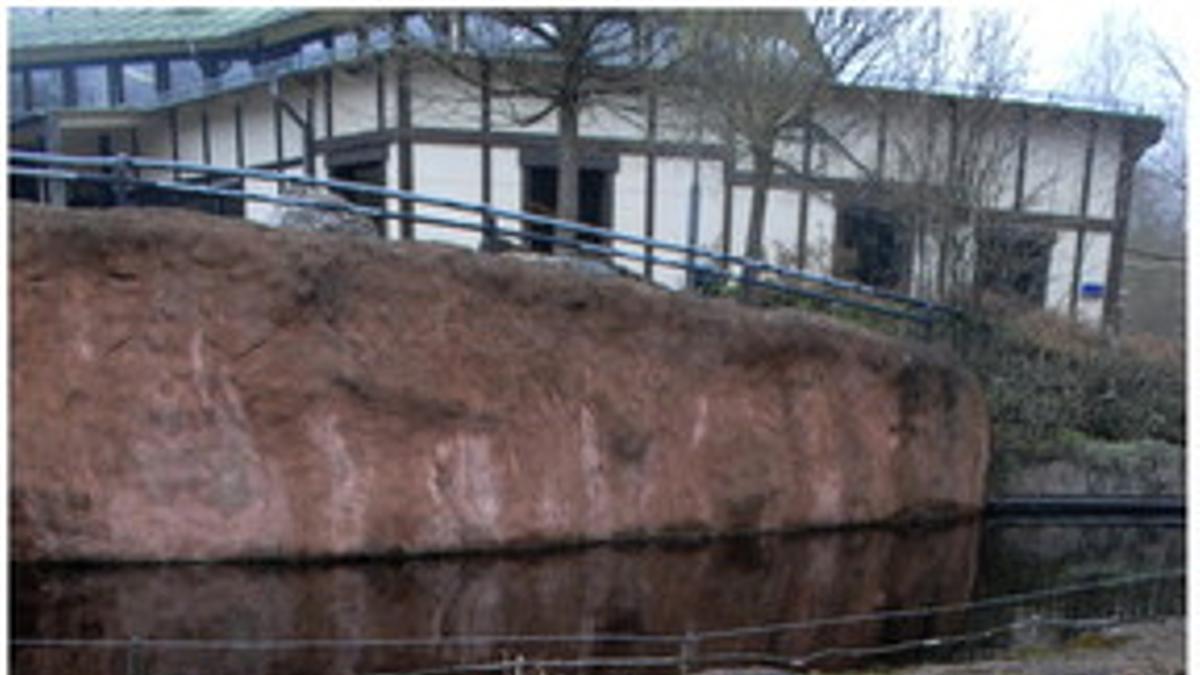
x=122, y=174
x=687, y=652
x=131, y=656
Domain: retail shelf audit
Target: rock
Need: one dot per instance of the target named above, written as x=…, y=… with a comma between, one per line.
x=310, y=219
x=185, y=387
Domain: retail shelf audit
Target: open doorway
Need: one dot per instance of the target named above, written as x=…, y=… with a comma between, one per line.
x=541, y=197
x=872, y=247
x=366, y=165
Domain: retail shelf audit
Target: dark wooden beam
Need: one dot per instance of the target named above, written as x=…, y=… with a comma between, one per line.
x=173, y=129
x=116, y=84
x=1116, y=257
x=70, y=86
x=380, y=95
x=404, y=141
x=27, y=87
x=205, y=136
x=239, y=136
x=1085, y=194
x=651, y=183
x=727, y=204
x=277, y=124
x=802, y=224
x=162, y=75
x=1022, y=159
x=327, y=93
x=881, y=144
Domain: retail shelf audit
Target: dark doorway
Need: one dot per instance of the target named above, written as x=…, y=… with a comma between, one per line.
x=1014, y=262
x=541, y=197
x=872, y=247
x=368, y=166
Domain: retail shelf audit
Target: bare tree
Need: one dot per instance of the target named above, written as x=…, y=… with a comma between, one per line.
x=757, y=77
x=565, y=60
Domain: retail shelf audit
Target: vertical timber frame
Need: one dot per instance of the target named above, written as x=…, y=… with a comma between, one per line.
x=802, y=217
x=651, y=177
x=239, y=135
x=173, y=128
x=1089, y=158
x=1022, y=159
x=1121, y=207
x=490, y=240
x=404, y=140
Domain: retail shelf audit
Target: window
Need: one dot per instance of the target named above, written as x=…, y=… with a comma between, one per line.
x=47, y=89
x=367, y=164
x=16, y=91
x=541, y=197
x=1014, y=261
x=872, y=247
x=91, y=86
x=139, y=84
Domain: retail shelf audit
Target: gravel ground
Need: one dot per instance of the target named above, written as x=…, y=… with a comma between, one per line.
x=1155, y=648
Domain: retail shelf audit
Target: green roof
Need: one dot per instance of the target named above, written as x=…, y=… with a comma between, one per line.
x=36, y=34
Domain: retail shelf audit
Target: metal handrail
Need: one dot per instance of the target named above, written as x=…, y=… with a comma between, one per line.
x=119, y=171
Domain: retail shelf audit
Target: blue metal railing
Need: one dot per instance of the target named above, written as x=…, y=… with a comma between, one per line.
x=120, y=173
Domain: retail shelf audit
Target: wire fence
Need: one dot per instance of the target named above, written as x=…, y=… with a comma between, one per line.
x=706, y=270
x=685, y=651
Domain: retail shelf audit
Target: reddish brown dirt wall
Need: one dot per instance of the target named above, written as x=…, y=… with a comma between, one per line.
x=187, y=387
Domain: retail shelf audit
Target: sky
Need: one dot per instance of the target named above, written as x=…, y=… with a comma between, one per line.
x=1058, y=32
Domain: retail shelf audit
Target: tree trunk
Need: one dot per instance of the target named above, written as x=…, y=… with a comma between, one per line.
x=568, y=161
x=761, y=182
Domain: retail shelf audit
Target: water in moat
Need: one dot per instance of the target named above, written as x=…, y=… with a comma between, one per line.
x=300, y=619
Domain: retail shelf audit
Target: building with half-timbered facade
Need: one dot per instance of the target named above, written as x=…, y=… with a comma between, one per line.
x=297, y=89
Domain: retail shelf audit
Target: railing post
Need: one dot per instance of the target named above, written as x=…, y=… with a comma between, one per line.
x=121, y=174
x=687, y=652
x=131, y=656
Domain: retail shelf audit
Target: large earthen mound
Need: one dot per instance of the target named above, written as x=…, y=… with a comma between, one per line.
x=190, y=387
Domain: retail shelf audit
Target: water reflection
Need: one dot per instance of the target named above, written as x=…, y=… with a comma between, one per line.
x=642, y=590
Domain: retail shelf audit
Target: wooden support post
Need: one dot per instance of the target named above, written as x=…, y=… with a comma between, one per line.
x=404, y=142
x=1080, y=232
x=1116, y=256
x=651, y=185
x=116, y=84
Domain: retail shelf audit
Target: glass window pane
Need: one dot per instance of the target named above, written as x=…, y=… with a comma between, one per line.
x=186, y=76
x=91, y=83
x=47, y=89
x=16, y=91
x=139, y=84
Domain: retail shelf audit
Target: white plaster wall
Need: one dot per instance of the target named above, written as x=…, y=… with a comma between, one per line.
x=740, y=215
x=354, y=105
x=918, y=140
x=1054, y=166
x=189, y=134
x=444, y=102
x=222, y=132
x=856, y=127
x=258, y=127
x=1105, y=168
x=822, y=232
x=611, y=122
x=446, y=171
x=1096, y=248
x=392, y=180
x=507, y=111
x=506, y=179
x=293, y=135
x=782, y=226
x=923, y=282
x=629, y=205
x=1062, y=266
